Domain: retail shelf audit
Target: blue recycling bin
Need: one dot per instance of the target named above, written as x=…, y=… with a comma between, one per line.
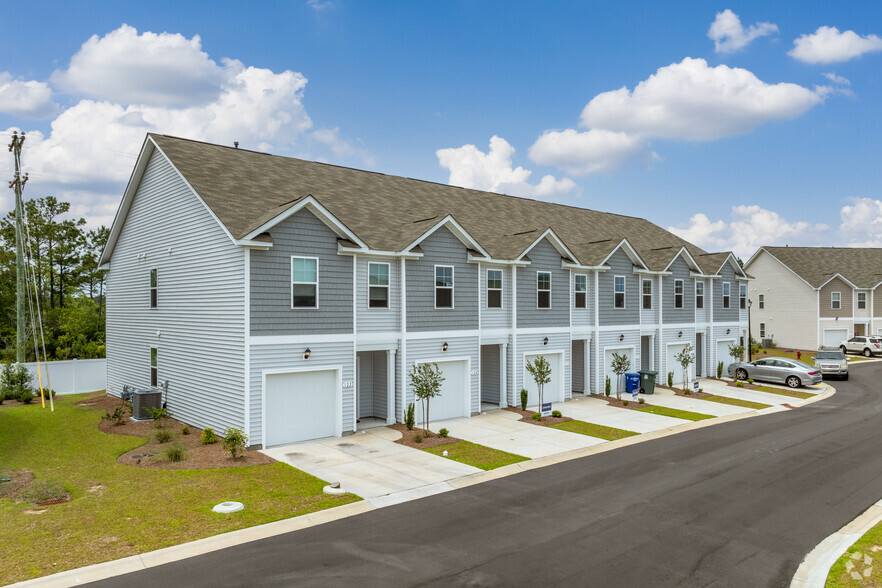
x=632, y=383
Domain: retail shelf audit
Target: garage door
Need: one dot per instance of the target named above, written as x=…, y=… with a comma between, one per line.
x=723, y=355
x=300, y=406
x=834, y=337
x=455, y=394
x=553, y=390
x=608, y=371
x=672, y=365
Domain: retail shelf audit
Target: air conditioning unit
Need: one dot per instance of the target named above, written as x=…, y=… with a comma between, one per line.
x=143, y=401
x=767, y=343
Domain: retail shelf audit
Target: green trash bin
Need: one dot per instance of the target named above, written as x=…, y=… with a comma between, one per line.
x=647, y=381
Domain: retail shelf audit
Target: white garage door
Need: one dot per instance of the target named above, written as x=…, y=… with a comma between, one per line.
x=300, y=406
x=608, y=371
x=834, y=337
x=672, y=365
x=455, y=394
x=553, y=390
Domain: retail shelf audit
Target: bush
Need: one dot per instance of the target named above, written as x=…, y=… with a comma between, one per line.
x=739, y=384
x=443, y=433
x=158, y=414
x=608, y=388
x=556, y=414
x=670, y=379
x=641, y=400
x=118, y=416
x=720, y=370
x=418, y=438
x=235, y=441
x=15, y=381
x=537, y=416
x=750, y=380
x=162, y=435
x=185, y=430
x=208, y=436
x=175, y=453
x=700, y=390
x=625, y=402
x=524, y=396
x=409, y=417
x=25, y=396
x=43, y=490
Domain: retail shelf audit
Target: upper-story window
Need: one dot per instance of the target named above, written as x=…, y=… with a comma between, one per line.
x=580, y=291
x=762, y=301
x=494, y=288
x=862, y=300
x=726, y=294
x=647, y=294
x=378, y=285
x=543, y=289
x=762, y=329
x=619, y=291
x=153, y=288
x=742, y=296
x=304, y=282
x=443, y=286
x=835, y=300
x=154, y=366
x=678, y=293
x=699, y=294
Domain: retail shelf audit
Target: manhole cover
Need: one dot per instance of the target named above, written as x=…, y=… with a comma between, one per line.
x=228, y=507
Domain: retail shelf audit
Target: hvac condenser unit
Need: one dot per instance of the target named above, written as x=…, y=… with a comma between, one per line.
x=143, y=401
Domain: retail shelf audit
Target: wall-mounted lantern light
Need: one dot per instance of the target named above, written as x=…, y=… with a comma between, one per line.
x=680, y=334
x=621, y=337
x=444, y=347
x=307, y=353
x=545, y=341
x=728, y=331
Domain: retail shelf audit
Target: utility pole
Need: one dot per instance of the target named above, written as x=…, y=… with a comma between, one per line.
x=17, y=184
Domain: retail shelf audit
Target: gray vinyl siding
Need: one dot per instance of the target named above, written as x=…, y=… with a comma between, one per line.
x=648, y=316
x=727, y=274
x=280, y=357
x=679, y=271
x=837, y=284
x=424, y=350
x=377, y=319
x=301, y=234
x=702, y=315
x=199, y=323
x=372, y=389
x=441, y=248
x=584, y=316
x=543, y=257
x=578, y=362
x=533, y=345
x=620, y=265
x=496, y=318
x=490, y=374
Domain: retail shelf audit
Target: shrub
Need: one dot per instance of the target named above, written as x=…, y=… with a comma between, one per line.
x=524, y=396
x=43, y=490
x=162, y=435
x=537, y=416
x=720, y=370
x=410, y=417
x=739, y=384
x=15, y=380
x=670, y=379
x=608, y=388
x=208, y=436
x=687, y=392
x=700, y=390
x=175, y=453
x=235, y=441
x=158, y=414
x=25, y=396
x=641, y=400
x=185, y=430
x=556, y=414
x=750, y=380
x=443, y=433
x=625, y=402
x=118, y=416
x=418, y=438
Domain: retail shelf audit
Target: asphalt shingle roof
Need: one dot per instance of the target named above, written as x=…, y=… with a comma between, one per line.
x=862, y=266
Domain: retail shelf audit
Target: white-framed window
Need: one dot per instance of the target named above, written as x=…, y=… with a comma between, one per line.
x=727, y=291
x=443, y=286
x=647, y=294
x=154, y=367
x=304, y=282
x=862, y=300
x=494, y=288
x=835, y=300
x=580, y=291
x=543, y=289
x=742, y=296
x=762, y=301
x=762, y=329
x=678, y=293
x=619, y=292
x=378, y=285
x=154, y=285
x=699, y=294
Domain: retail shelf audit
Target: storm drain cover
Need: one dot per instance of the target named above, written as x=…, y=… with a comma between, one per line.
x=228, y=507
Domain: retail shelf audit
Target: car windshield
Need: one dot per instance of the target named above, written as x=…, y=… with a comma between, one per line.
x=831, y=355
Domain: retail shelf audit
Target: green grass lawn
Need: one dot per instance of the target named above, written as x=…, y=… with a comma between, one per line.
x=870, y=544
x=479, y=456
x=132, y=510
x=592, y=430
x=737, y=402
x=676, y=413
x=783, y=392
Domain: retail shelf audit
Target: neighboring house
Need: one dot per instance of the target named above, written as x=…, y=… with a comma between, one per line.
x=291, y=298
x=806, y=297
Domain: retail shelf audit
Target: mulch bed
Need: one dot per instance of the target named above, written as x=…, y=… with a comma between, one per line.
x=613, y=401
x=527, y=417
x=149, y=456
x=408, y=437
x=734, y=384
x=691, y=394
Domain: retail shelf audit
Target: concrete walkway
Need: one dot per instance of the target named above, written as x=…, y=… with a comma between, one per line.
x=598, y=412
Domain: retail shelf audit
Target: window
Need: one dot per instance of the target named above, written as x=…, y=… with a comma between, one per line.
x=647, y=294
x=835, y=300
x=742, y=296
x=619, y=291
x=543, y=289
x=762, y=329
x=699, y=294
x=862, y=300
x=378, y=285
x=153, y=286
x=443, y=286
x=726, y=293
x=154, y=367
x=304, y=282
x=494, y=288
x=581, y=291
x=762, y=301
x=678, y=293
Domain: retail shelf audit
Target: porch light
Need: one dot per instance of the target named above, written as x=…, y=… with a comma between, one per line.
x=680, y=334
x=444, y=347
x=307, y=353
x=728, y=331
x=545, y=341
x=621, y=337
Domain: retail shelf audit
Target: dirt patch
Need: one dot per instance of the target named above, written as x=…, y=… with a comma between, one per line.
x=409, y=437
x=527, y=417
x=691, y=394
x=31, y=511
x=19, y=480
x=613, y=401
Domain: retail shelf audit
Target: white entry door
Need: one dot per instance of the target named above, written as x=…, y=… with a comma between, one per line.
x=455, y=397
x=672, y=365
x=300, y=406
x=834, y=337
x=553, y=390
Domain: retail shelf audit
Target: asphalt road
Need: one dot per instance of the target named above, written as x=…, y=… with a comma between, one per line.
x=738, y=504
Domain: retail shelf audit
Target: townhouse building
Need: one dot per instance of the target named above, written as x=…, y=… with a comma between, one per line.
x=291, y=298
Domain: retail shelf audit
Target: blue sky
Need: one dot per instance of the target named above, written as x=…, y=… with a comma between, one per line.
x=715, y=120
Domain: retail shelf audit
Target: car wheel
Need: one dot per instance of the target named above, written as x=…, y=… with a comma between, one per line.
x=845, y=377
x=843, y=349
x=741, y=374
x=868, y=353
x=793, y=382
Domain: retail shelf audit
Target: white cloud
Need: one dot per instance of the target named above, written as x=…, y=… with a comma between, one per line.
x=862, y=223
x=492, y=171
x=591, y=151
x=829, y=45
x=320, y=5
x=837, y=79
x=729, y=35
x=25, y=99
x=164, y=69
x=342, y=147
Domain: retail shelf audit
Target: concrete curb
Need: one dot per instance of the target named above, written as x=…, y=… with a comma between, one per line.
x=174, y=553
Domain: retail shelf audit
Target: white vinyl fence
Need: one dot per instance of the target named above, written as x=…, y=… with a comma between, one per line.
x=72, y=376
